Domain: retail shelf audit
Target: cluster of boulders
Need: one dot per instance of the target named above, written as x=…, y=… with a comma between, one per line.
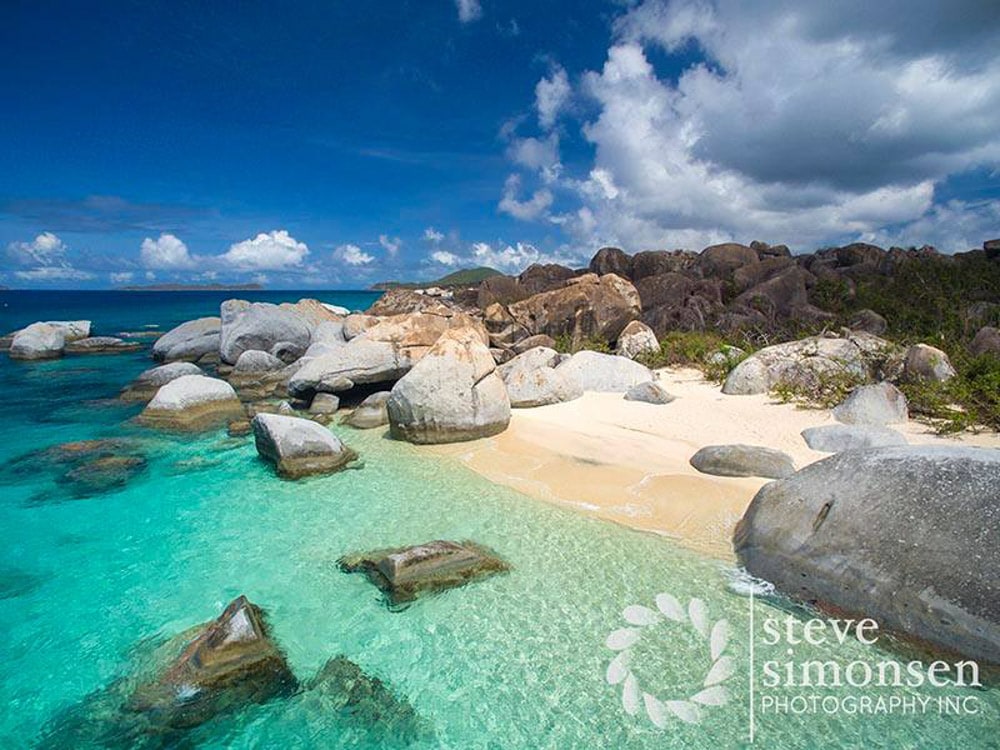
x=53, y=338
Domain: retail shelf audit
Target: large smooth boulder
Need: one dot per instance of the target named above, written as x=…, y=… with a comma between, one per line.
x=262, y=326
x=38, y=341
x=835, y=438
x=905, y=535
x=586, y=307
x=144, y=387
x=608, y=373
x=650, y=392
x=637, y=339
x=452, y=394
x=231, y=662
x=370, y=413
x=192, y=403
x=743, y=461
x=299, y=447
x=383, y=352
x=874, y=405
x=928, y=364
x=528, y=388
x=611, y=260
x=189, y=342
x=806, y=362
x=405, y=573
x=722, y=260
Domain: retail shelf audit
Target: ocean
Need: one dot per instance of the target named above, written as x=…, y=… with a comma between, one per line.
x=596, y=636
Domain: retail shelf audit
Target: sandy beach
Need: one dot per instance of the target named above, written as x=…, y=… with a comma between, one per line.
x=627, y=462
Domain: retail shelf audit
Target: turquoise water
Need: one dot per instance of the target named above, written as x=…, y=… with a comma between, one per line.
x=516, y=661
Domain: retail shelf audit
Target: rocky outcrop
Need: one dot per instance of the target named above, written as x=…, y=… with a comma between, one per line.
x=531, y=379
x=926, y=364
x=452, y=394
x=231, y=662
x=835, y=438
x=723, y=260
x=905, y=535
x=192, y=403
x=266, y=327
x=743, y=461
x=144, y=387
x=38, y=341
x=192, y=341
x=804, y=363
x=586, y=307
x=405, y=573
x=611, y=260
x=385, y=351
x=102, y=345
x=650, y=392
x=370, y=413
x=593, y=371
x=637, y=339
x=258, y=375
x=299, y=447
x=874, y=406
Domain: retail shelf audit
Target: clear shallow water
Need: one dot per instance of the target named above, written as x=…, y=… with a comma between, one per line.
x=516, y=661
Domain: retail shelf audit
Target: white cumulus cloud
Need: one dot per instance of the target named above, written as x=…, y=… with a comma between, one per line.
x=352, y=255
x=552, y=93
x=433, y=235
x=165, y=252
x=526, y=210
x=45, y=249
x=444, y=258
x=121, y=277
x=271, y=251
x=390, y=244
x=469, y=10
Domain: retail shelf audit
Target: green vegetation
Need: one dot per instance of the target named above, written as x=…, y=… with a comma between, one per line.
x=463, y=277
x=566, y=344
x=969, y=401
x=824, y=391
x=707, y=351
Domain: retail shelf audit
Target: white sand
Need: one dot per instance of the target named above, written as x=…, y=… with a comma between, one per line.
x=628, y=462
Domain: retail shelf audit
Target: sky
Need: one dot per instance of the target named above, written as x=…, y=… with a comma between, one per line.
x=333, y=144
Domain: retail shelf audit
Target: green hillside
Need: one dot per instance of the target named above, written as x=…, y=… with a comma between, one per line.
x=464, y=277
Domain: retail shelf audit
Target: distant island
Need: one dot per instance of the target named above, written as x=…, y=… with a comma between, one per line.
x=193, y=288
x=465, y=277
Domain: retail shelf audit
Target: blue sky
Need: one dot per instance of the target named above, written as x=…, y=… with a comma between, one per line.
x=337, y=144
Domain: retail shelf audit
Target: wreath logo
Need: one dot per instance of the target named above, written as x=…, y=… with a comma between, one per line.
x=711, y=692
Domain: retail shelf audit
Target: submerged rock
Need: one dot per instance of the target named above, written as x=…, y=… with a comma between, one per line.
x=81, y=469
x=192, y=403
x=834, y=438
x=405, y=573
x=452, y=394
x=102, y=345
x=905, y=535
x=299, y=447
x=370, y=413
x=190, y=342
x=102, y=475
x=144, y=387
x=743, y=461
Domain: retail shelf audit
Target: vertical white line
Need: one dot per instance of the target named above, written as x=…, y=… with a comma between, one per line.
x=751, y=666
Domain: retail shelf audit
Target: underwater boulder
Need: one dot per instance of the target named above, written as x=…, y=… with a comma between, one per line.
x=192, y=403
x=299, y=447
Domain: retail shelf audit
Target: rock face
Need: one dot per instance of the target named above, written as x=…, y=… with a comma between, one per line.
x=743, y=461
x=370, y=413
x=453, y=394
x=586, y=307
x=805, y=362
x=637, y=338
x=384, y=351
x=144, y=387
x=189, y=342
x=650, y=392
x=38, y=341
x=299, y=447
x=593, y=371
x=262, y=326
x=405, y=573
x=231, y=662
x=611, y=260
x=102, y=345
x=324, y=403
x=987, y=341
x=531, y=380
x=192, y=403
x=905, y=535
x=873, y=405
x=835, y=438
x=925, y=363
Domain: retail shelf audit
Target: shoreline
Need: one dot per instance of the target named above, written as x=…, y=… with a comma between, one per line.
x=627, y=462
